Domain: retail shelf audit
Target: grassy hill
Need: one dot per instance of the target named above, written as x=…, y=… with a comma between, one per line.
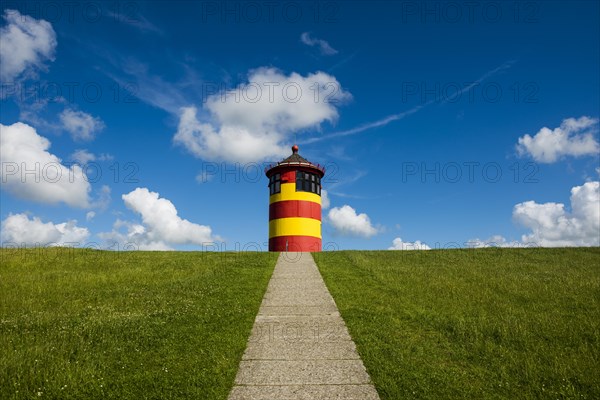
x=473, y=324
x=77, y=324
x=490, y=323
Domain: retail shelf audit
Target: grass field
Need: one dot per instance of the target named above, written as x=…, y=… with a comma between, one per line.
x=78, y=324
x=442, y=324
x=473, y=324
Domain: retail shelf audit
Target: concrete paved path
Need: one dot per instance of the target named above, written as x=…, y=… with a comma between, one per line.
x=299, y=347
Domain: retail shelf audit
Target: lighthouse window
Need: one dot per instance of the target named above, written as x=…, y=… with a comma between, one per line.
x=307, y=182
x=275, y=184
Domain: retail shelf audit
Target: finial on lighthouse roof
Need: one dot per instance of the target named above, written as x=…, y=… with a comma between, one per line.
x=295, y=149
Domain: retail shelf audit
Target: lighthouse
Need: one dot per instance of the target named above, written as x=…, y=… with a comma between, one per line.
x=295, y=204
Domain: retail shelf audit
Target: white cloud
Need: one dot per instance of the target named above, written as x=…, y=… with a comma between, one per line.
x=252, y=121
x=83, y=156
x=574, y=137
x=22, y=231
x=161, y=225
x=398, y=244
x=25, y=44
x=103, y=200
x=494, y=241
x=134, y=237
x=90, y=215
x=552, y=226
x=325, y=203
x=323, y=46
x=204, y=177
x=30, y=172
x=80, y=125
x=345, y=221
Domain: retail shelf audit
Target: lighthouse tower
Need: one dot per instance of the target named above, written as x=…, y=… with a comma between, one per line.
x=295, y=204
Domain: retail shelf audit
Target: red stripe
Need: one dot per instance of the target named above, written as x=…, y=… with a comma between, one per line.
x=295, y=243
x=294, y=208
x=288, y=176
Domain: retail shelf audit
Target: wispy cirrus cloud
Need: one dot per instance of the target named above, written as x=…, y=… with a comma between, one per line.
x=137, y=21
x=323, y=46
x=396, y=117
x=135, y=77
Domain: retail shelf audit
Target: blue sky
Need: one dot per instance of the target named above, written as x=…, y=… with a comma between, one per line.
x=419, y=110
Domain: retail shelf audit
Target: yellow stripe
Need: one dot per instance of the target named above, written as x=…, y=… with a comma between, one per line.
x=288, y=192
x=295, y=227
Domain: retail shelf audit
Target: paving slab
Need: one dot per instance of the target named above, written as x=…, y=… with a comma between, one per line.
x=299, y=328
x=299, y=300
x=325, y=309
x=300, y=347
x=304, y=392
x=301, y=372
x=343, y=350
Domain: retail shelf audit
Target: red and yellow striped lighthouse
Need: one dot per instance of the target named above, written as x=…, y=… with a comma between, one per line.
x=295, y=204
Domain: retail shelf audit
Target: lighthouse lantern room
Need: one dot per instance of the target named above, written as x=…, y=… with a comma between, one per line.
x=295, y=204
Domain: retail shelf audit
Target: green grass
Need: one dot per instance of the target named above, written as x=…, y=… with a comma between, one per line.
x=83, y=324
x=510, y=323
x=473, y=324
